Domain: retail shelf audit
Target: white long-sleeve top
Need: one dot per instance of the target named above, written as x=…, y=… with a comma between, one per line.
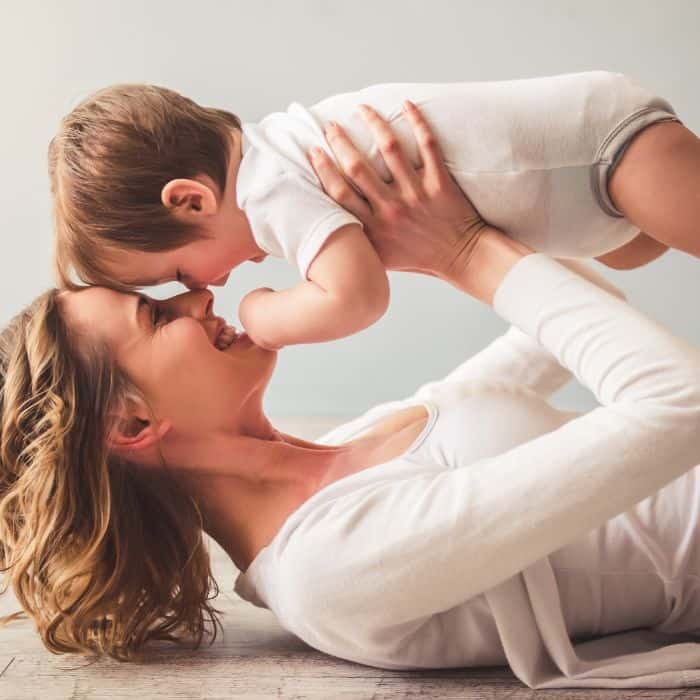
x=443, y=556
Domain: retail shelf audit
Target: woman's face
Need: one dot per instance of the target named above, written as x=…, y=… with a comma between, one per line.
x=170, y=351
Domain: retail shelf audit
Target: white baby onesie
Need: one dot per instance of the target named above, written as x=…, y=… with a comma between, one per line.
x=533, y=155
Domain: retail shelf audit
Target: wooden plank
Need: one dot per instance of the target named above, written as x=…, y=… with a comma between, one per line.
x=258, y=659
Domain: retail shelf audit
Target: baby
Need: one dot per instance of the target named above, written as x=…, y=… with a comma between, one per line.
x=151, y=187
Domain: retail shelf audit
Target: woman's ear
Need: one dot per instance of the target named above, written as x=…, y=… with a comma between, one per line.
x=190, y=199
x=134, y=428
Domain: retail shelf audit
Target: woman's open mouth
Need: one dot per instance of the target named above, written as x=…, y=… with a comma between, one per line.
x=226, y=337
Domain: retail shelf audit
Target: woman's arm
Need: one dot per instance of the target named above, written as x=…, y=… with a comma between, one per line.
x=403, y=551
x=515, y=358
x=406, y=550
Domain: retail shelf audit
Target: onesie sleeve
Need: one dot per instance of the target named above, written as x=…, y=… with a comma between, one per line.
x=292, y=218
x=515, y=358
x=367, y=569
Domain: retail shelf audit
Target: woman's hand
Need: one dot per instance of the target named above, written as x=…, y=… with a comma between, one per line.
x=419, y=222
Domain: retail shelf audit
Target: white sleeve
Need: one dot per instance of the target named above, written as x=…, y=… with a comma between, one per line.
x=292, y=218
x=393, y=553
x=515, y=357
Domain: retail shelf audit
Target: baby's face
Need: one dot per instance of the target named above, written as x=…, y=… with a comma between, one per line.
x=225, y=242
x=206, y=261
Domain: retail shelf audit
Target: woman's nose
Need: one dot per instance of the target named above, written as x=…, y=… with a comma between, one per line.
x=198, y=304
x=194, y=286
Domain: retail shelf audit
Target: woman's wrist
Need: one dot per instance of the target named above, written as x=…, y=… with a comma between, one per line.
x=480, y=268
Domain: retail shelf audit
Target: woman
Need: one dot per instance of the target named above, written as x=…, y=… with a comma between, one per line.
x=453, y=528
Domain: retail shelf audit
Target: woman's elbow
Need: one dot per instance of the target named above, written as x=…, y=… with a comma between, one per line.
x=676, y=406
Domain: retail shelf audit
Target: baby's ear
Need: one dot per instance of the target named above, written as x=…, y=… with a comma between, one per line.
x=189, y=198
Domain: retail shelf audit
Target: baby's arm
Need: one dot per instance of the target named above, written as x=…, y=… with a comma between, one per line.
x=347, y=290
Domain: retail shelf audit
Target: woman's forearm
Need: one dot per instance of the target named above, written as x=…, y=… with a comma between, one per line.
x=479, y=269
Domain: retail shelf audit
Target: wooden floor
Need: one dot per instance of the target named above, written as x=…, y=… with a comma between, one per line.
x=256, y=658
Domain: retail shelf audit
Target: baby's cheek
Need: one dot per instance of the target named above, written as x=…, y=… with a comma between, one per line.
x=213, y=262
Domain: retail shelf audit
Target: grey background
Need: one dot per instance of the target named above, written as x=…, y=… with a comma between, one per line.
x=255, y=57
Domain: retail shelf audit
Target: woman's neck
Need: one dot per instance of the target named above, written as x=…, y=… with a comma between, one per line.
x=247, y=487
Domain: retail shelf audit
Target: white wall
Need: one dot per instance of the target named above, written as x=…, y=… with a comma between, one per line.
x=254, y=57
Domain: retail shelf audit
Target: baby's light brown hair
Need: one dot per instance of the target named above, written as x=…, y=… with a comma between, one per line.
x=108, y=164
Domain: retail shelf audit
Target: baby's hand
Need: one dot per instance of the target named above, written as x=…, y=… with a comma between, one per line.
x=250, y=313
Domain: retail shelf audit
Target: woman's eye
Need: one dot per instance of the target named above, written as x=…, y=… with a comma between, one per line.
x=156, y=315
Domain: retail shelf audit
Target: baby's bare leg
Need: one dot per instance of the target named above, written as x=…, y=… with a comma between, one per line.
x=656, y=185
x=639, y=251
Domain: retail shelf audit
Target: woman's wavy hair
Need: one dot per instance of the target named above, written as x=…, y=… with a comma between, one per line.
x=104, y=556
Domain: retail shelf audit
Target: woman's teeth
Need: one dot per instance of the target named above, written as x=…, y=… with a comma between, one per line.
x=226, y=337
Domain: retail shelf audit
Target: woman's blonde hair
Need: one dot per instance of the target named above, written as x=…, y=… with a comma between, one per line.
x=108, y=163
x=101, y=554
